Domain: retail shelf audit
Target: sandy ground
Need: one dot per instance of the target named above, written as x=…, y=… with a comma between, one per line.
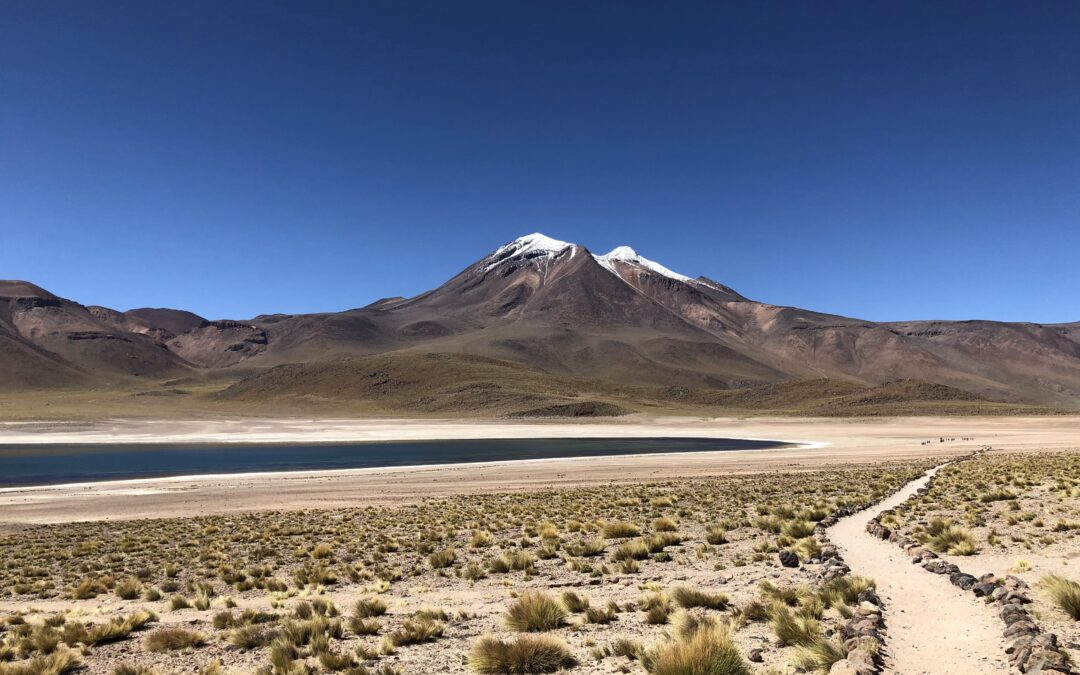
x=969, y=641
x=825, y=442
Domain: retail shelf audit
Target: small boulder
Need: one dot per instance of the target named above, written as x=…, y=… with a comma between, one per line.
x=788, y=559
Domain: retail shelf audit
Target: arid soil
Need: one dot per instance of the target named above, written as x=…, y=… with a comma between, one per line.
x=826, y=442
x=451, y=550
x=644, y=556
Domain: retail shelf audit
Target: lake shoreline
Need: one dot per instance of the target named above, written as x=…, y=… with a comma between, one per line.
x=182, y=461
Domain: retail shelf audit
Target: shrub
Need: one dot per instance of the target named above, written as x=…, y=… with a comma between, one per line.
x=523, y=654
x=173, y=639
x=1064, y=592
x=535, y=611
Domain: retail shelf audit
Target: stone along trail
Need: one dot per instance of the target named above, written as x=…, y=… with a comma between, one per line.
x=932, y=627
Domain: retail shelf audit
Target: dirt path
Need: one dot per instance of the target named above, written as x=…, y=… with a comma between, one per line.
x=932, y=626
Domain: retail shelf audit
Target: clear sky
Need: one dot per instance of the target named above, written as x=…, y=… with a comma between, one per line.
x=886, y=160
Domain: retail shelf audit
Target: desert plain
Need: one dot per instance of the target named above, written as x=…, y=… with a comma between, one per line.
x=589, y=565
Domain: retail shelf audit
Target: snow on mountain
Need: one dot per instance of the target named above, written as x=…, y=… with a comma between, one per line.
x=530, y=246
x=625, y=254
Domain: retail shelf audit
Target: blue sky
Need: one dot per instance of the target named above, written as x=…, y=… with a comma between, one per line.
x=880, y=160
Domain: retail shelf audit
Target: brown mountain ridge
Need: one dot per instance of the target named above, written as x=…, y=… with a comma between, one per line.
x=540, y=323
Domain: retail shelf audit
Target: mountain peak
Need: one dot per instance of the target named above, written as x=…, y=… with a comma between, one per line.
x=530, y=246
x=627, y=255
x=537, y=242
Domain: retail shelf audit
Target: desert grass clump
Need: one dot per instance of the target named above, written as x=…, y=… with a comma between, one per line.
x=416, y=630
x=535, y=611
x=586, y=548
x=480, y=539
x=620, y=530
x=173, y=639
x=635, y=549
x=57, y=663
x=819, y=655
x=943, y=536
x=807, y=548
x=574, y=603
x=251, y=636
x=687, y=598
x=442, y=559
x=522, y=655
x=792, y=628
x=128, y=589
x=602, y=616
x=716, y=535
x=515, y=560
x=665, y=525
x=845, y=590
x=706, y=651
x=364, y=626
x=1064, y=592
x=366, y=608
x=657, y=608
x=88, y=588
x=797, y=529
x=133, y=669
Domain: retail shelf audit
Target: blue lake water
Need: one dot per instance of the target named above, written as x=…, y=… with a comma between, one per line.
x=44, y=465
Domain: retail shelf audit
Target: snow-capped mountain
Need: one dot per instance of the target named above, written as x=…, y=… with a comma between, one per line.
x=556, y=306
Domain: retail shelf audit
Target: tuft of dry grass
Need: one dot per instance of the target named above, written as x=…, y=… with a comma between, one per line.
x=524, y=654
x=687, y=598
x=367, y=608
x=620, y=530
x=819, y=655
x=706, y=651
x=57, y=663
x=574, y=603
x=416, y=630
x=535, y=611
x=173, y=639
x=1064, y=592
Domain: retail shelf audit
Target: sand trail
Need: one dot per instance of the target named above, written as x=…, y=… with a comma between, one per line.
x=932, y=627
